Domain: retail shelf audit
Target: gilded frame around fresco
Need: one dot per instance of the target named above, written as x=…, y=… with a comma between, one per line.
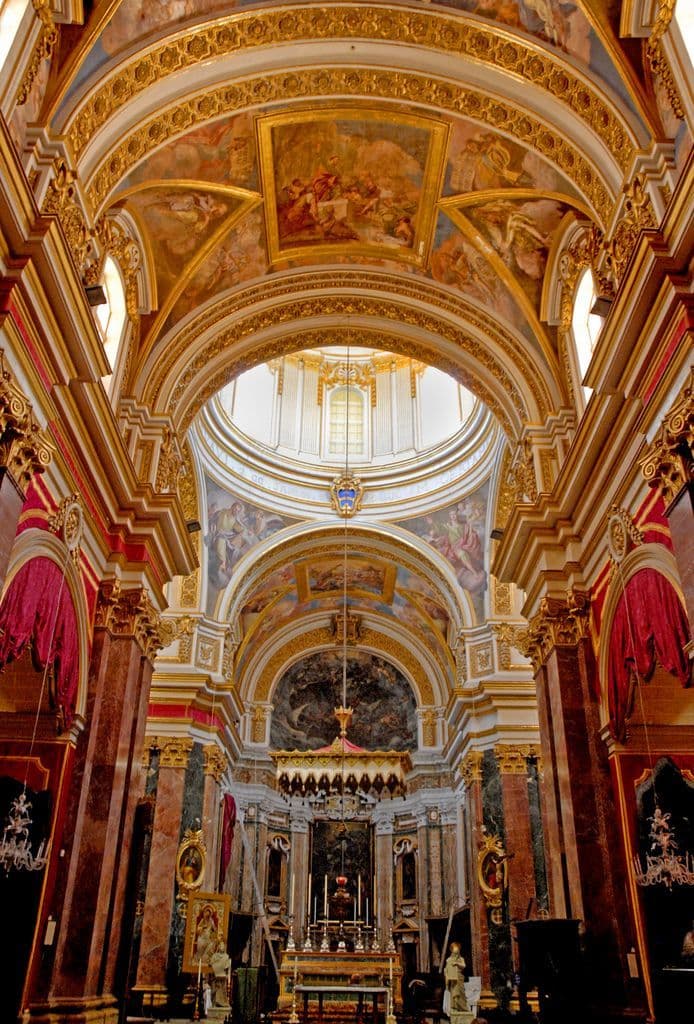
x=207, y=924
x=432, y=180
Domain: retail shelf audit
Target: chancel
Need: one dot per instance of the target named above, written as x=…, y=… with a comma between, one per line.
x=346, y=566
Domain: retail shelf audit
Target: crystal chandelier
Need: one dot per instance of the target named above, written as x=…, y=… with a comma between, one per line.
x=664, y=866
x=15, y=847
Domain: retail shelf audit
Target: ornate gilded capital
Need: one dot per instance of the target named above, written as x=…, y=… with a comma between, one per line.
x=215, y=761
x=24, y=447
x=175, y=627
x=471, y=767
x=129, y=613
x=175, y=751
x=668, y=461
x=512, y=759
x=557, y=624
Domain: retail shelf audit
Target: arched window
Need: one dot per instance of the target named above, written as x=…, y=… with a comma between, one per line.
x=586, y=326
x=111, y=315
x=346, y=415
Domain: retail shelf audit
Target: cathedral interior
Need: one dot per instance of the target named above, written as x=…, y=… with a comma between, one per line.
x=346, y=492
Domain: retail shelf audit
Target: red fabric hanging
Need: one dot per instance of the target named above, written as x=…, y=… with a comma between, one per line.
x=38, y=608
x=649, y=627
x=228, y=823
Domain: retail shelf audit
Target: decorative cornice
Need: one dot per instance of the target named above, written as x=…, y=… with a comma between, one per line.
x=215, y=761
x=175, y=751
x=129, y=613
x=470, y=767
x=669, y=458
x=557, y=624
x=24, y=446
x=512, y=759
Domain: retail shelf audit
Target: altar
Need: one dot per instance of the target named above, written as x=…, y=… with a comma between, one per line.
x=329, y=986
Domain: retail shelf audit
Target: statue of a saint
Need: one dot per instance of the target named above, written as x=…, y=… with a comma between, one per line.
x=220, y=962
x=454, y=975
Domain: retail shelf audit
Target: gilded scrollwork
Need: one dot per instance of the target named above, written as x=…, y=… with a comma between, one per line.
x=470, y=767
x=636, y=215
x=24, y=446
x=669, y=458
x=43, y=48
x=657, y=58
x=62, y=202
x=68, y=522
x=521, y=475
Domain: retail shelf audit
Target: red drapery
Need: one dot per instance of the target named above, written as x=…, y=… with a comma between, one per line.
x=38, y=608
x=649, y=627
x=228, y=823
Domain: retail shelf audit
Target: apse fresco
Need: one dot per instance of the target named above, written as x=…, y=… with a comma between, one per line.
x=222, y=152
x=234, y=526
x=181, y=222
x=457, y=533
x=349, y=180
x=307, y=694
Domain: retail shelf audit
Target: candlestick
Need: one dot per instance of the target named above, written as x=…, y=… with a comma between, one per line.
x=325, y=897
x=390, y=971
x=315, y=909
x=291, y=896
x=308, y=899
x=359, y=896
x=366, y=915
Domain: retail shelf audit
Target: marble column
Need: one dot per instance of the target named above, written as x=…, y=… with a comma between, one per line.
x=299, y=867
x=669, y=466
x=107, y=781
x=24, y=451
x=160, y=892
x=513, y=768
x=471, y=770
x=383, y=874
x=591, y=885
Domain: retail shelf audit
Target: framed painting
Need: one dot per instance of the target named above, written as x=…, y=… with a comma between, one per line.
x=190, y=861
x=207, y=923
x=350, y=180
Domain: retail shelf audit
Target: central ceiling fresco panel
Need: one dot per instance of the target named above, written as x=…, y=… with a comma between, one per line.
x=353, y=180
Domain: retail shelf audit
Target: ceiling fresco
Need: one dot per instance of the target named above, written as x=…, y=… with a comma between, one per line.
x=238, y=199
x=307, y=694
x=350, y=180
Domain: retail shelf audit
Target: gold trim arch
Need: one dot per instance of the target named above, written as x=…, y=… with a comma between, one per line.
x=287, y=649
x=486, y=360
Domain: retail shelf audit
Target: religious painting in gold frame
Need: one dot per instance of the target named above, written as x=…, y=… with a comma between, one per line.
x=351, y=181
x=190, y=862
x=207, y=924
